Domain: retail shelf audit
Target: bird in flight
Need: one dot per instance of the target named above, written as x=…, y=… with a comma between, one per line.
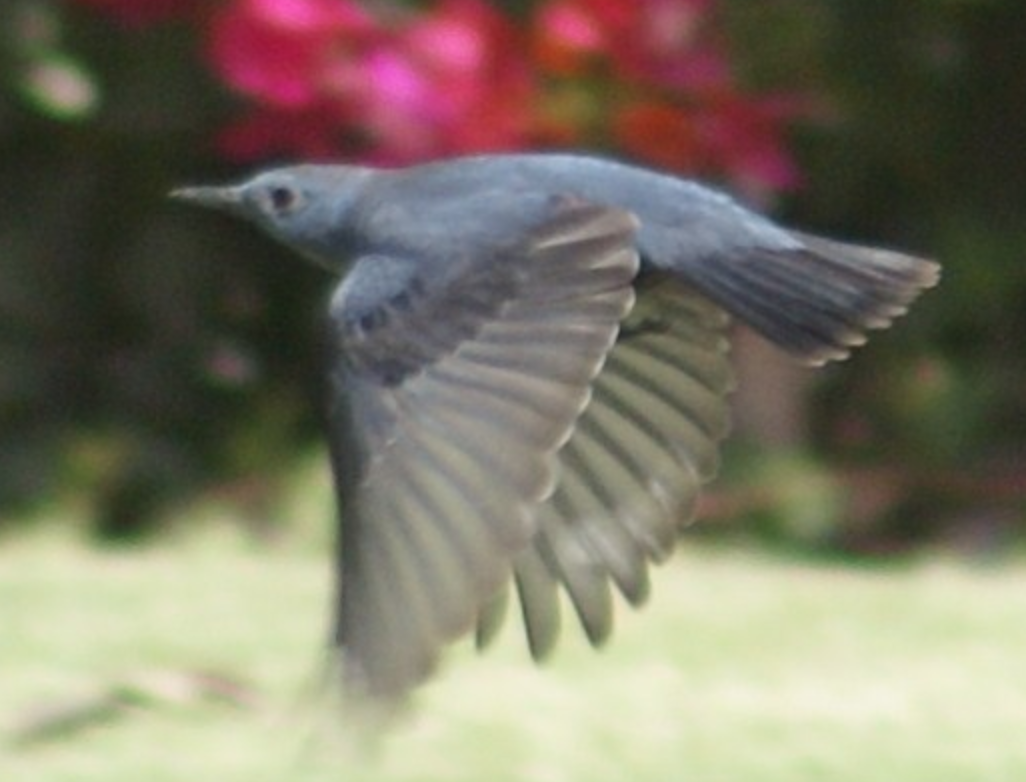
x=529, y=370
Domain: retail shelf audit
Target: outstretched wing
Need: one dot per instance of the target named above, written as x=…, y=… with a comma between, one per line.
x=631, y=472
x=454, y=394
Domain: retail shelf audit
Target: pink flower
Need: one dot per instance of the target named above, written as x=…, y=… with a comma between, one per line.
x=458, y=78
x=650, y=40
x=402, y=81
x=661, y=89
x=282, y=52
x=326, y=78
x=431, y=84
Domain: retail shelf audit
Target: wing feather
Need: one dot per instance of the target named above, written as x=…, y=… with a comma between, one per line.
x=631, y=472
x=447, y=433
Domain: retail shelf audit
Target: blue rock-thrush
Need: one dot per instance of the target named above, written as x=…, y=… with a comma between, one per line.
x=529, y=373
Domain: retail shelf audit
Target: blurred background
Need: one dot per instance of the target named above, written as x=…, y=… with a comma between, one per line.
x=852, y=606
x=152, y=356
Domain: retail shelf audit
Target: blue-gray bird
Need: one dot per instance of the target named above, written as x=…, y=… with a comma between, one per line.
x=529, y=373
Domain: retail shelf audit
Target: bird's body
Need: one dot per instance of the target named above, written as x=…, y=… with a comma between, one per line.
x=529, y=377
x=505, y=193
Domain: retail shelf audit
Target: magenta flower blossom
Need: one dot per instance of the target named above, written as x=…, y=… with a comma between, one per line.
x=401, y=81
x=670, y=96
x=426, y=85
x=449, y=85
x=283, y=53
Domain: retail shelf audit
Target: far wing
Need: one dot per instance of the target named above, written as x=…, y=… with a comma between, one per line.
x=631, y=472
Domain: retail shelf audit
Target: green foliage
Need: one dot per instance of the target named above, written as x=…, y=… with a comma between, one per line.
x=148, y=353
x=915, y=139
x=144, y=348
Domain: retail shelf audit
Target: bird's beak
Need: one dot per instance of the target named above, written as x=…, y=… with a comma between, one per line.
x=228, y=199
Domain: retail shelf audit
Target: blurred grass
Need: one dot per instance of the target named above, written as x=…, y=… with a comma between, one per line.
x=745, y=667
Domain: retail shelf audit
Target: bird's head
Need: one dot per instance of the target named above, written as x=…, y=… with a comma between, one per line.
x=303, y=206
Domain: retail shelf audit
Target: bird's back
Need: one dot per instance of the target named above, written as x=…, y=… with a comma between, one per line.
x=812, y=297
x=487, y=197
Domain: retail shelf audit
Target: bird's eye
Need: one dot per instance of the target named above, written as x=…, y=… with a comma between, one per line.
x=283, y=199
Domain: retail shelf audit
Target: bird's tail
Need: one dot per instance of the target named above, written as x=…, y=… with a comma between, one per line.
x=817, y=301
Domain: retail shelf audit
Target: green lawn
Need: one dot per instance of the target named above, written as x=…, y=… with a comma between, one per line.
x=744, y=667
